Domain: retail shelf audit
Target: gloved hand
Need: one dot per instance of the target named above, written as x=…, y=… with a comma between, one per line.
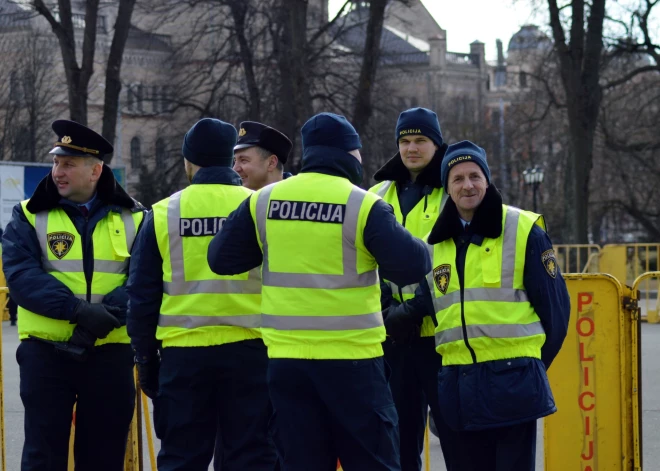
x=402, y=325
x=116, y=302
x=95, y=318
x=148, y=375
x=82, y=338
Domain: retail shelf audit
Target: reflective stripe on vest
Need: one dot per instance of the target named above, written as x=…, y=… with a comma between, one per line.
x=111, y=242
x=200, y=308
x=506, y=293
x=354, y=322
x=419, y=230
x=102, y=266
x=179, y=286
x=349, y=279
x=321, y=296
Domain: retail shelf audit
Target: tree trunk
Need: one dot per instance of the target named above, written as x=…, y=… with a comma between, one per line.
x=579, y=63
x=239, y=10
x=295, y=103
x=370, y=56
x=113, y=71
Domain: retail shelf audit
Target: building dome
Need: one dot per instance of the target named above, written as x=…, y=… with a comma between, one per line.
x=529, y=37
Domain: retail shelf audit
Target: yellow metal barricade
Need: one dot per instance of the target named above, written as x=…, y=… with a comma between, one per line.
x=627, y=262
x=577, y=258
x=595, y=381
x=4, y=291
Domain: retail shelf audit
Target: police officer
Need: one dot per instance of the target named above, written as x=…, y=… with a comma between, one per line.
x=260, y=155
x=502, y=311
x=410, y=182
x=66, y=253
x=212, y=380
x=322, y=240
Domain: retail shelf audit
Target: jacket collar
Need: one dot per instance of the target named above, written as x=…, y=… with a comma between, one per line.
x=395, y=170
x=217, y=176
x=487, y=220
x=332, y=161
x=108, y=191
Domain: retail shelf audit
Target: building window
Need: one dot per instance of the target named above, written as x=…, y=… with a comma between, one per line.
x=135, y=97
x=136, y=153
x=523, y=80
x=161, y=153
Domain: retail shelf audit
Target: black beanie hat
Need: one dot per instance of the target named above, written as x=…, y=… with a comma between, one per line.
x=419, y=121
x=464, y=151
x=210, y=143
x=331, y=130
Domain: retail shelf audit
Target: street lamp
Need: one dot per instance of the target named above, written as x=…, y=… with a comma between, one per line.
x=534, y=177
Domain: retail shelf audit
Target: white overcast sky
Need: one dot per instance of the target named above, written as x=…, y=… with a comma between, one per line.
x=485, y=20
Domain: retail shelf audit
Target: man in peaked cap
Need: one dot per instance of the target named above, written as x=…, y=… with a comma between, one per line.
x=260, y=155
x=66, y=253
x=209, y=381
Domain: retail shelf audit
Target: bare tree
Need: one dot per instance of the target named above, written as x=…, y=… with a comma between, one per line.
x=61, y=18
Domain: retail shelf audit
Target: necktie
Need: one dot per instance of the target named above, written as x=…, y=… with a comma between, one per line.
x=83, y=209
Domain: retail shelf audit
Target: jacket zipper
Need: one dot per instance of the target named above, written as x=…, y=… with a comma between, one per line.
x=88, y=274
x=463, y=324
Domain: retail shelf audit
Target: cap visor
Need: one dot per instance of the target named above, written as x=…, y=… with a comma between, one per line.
x=243, y=146
x=70, y=152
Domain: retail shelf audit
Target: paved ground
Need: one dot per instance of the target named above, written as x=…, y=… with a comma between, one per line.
x=650, y=404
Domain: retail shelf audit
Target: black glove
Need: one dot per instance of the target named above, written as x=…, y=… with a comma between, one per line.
x=116, y=302
x=95, y=318
x=82, y=338
x=148, y=376
x=401, y=325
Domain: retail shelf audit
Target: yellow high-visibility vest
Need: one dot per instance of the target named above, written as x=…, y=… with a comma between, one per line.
x=419, y=222
x=62, y=257
x=499, y=321
x=321, y=293
x=200, y=308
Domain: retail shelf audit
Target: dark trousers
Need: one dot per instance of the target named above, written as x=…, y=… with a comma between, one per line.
x=329, y=409
x=214, y=396
x=414, y=385
x=510, y=448
x=103, y=389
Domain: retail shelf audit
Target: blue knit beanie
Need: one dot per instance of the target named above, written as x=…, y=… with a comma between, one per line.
x=210, y=143
x=461, y=152
x=419, y=121
x=330, y=130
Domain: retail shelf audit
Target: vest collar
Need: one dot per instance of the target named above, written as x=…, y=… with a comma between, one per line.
x=332, y=161
x=487, y=220
x=395, y=170
x=108, y=190
x=217, y=176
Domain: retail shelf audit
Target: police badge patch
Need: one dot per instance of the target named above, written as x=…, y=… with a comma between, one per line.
x=60, y=243
x=550, y=262
x=441, y=275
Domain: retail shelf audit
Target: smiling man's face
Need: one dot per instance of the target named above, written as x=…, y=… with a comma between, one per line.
x=467, y=186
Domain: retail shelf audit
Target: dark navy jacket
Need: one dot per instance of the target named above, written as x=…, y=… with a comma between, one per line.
x=409, y=193
x=236, y=250
x=31, y=287
x=145, y=281
x=504, y=392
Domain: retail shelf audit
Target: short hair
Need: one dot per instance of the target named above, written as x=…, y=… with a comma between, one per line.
x=90, y=161
x=265, y=153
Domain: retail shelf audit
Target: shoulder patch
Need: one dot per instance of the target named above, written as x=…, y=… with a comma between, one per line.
x=550, y=262
x=60, y=243
x=441, y=276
